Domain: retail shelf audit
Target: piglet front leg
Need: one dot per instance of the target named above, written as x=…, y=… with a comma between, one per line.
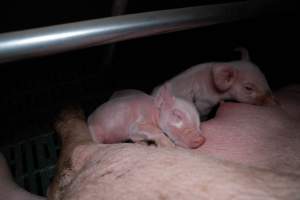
x=143, y=133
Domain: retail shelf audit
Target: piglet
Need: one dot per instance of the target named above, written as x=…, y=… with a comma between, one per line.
x=209, y=83
x=9, y=190
x=163, y=119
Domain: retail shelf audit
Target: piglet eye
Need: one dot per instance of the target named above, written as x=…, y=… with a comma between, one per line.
x=248, y=88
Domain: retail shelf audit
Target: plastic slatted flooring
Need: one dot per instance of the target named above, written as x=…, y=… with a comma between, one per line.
x=32, y=162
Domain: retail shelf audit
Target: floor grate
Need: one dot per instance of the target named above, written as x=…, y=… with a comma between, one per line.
x=32, y=162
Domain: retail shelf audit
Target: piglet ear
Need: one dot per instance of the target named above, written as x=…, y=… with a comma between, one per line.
x=164, y=97
x=224, y=76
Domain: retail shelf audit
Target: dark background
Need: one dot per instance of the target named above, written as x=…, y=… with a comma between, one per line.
x=33, y=91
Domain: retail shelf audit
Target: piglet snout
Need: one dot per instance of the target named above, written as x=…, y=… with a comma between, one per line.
x=197, y=142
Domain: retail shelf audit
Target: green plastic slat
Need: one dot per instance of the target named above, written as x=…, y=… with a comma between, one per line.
x=29, y=157
x=41, y=154
x=18, y=159
x=51, y=173
x=33, y=162
x=45, y=182
x=52, y=148
x=30, y=168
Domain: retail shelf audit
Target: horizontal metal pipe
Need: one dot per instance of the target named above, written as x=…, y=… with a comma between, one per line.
x=60, y=38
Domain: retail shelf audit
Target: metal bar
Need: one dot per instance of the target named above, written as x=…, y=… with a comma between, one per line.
x=60, y=38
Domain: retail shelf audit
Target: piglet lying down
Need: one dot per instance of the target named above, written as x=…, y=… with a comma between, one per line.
x=134, y=115
x=207, y=84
